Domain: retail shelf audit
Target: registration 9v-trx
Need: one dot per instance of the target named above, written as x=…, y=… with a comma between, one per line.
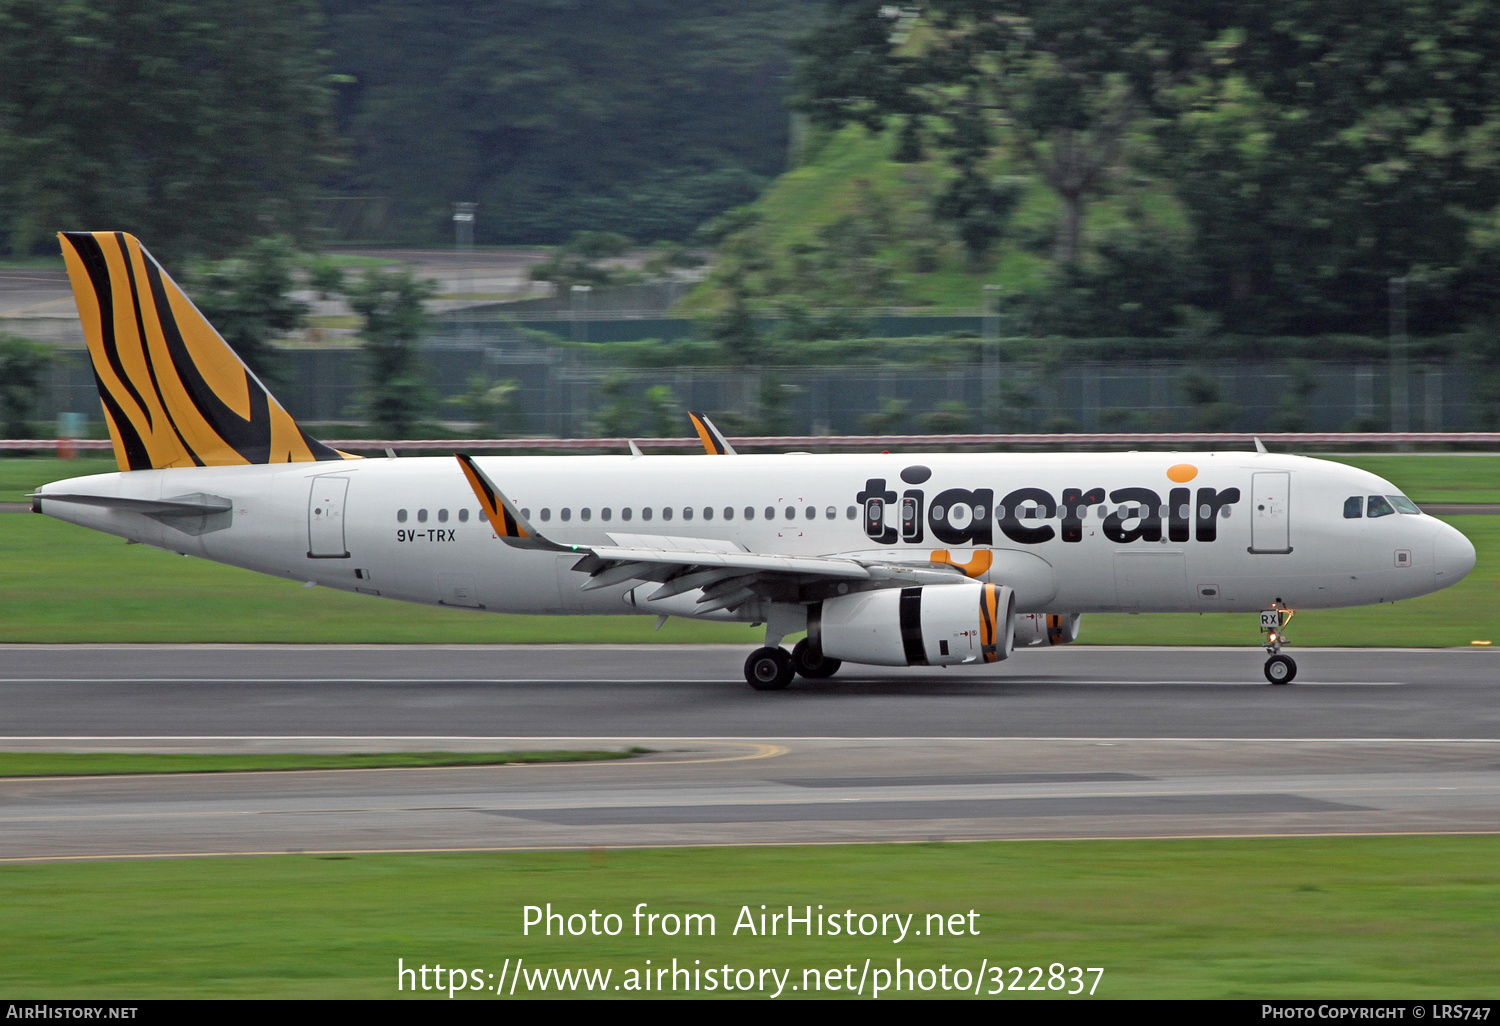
x=891, y=560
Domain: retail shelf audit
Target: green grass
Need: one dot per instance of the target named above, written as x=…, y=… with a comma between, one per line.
x=20, y=476
x=98, y=764
x=69, y=584
x=1425, y=477
x=54, y=262
x=64, y=583
x=1368, y=917
x=1435, y=478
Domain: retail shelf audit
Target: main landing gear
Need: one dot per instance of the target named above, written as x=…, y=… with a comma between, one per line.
x=771, y=668
x=1280, y=669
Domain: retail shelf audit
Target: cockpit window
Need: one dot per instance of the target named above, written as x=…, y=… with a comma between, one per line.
x=1379, y=507
x=1354, y=507
x=1403, y=504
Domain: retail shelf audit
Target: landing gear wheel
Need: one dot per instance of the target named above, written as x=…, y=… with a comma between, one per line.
x=769, y=669
x=1281, y=669
x=812, y=663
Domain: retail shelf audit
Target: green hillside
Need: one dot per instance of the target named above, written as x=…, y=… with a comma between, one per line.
x=849, y=203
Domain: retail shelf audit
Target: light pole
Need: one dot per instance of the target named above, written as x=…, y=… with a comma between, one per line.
x=578, y=304
x=990, y=369
x=463, y=245
x=1400, y=391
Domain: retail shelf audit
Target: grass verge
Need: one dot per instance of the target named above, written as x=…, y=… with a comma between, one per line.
x=66, y=584
x=98, y=764
x=1425, y=477
x=1368, y=917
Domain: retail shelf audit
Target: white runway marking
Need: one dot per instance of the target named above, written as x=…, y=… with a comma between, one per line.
x=672, y=680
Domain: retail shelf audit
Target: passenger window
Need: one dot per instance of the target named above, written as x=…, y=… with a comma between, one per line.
x=687, y=512
x=791, y=513
x=463, y=516
x=1378, y=507
x=831, y=513
x=749, y=512
x=442, y=516
x=566, y=514
x=400, y=516
x=605, y=513
x=625, y=513
x=1354, y=507
x=666, y=513
x=770, y=512
x=728, y=512
x=1404, y=505
x=525, y=513
x=584, y=514
x=546, y=514
x=421, y=516
x=999, y=513
x=646, y=513
x=978, y=512
x=851, y=512
x=811, y=513
x=708, y=512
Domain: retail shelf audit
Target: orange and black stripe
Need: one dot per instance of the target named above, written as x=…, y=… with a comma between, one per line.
x=496, y=509
x=989, y=623
x=174, y=392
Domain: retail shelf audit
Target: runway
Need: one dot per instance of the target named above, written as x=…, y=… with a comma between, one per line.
x=1063, y=744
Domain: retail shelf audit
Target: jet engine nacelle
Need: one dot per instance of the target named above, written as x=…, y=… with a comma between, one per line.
x=936, y=625
x=1047, y=628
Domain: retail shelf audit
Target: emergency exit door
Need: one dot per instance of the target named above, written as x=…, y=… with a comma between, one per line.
x=325, y=518
x=1270, y=496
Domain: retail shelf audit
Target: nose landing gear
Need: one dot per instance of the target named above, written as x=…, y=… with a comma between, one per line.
x=1280, y=669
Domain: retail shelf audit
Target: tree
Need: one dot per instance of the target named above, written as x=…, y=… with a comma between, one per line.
x=1060, y=83
x=577, y=262
x=192, y=123
x=489, y=403
x=22, y=363
x=1327, y=147
x=249, y=299
x=639, y=116
x=396, y=394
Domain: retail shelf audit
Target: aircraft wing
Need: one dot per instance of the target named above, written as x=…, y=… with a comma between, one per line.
x=727, y=574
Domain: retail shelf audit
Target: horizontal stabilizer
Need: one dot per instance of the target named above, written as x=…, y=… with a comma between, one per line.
x=194, y=505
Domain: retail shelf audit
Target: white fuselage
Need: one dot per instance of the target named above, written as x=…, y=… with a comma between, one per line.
x=411, y=528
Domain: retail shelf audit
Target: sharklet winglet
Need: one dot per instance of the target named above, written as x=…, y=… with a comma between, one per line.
x=713, y=439
x=511, y=527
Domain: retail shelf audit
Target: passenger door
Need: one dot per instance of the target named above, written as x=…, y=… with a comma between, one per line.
x=325, y=518
x=1270, y=496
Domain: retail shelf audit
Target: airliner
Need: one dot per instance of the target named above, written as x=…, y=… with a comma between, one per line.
x=889, y=559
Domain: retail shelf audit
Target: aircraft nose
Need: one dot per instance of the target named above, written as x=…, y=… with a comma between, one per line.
x=1453, y=556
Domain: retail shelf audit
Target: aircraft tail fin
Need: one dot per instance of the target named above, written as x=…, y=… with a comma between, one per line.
x=174, y=393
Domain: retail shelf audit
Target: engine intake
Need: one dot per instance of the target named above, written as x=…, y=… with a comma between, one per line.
x=1047, y=628
x=937, y=625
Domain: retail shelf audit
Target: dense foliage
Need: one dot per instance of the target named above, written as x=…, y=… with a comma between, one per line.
x=193, y=123
x=644, y=117
x=1318, y=148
